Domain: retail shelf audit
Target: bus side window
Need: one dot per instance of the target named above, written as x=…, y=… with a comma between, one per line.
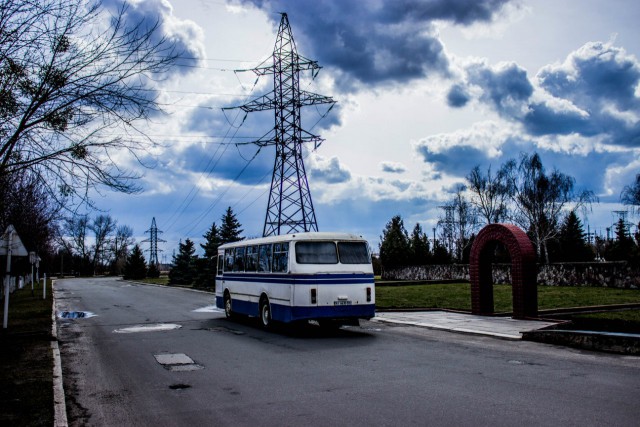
x=264, y=258
x=280, y=257
x=238, y=263
x=220, y=263
x=252, y=258
x=228, y=259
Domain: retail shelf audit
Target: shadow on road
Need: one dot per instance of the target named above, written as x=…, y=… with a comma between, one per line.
x=244, y=325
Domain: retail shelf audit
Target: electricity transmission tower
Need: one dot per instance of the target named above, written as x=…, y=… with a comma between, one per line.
x=290, y=208
x=153, y=242
x=448, y=226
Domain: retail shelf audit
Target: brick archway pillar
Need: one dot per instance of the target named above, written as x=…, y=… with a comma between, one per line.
x=523, y=270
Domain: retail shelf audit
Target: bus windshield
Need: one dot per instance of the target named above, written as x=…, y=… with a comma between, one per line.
x=353, y=253
x=327, y=253
x=316, y=253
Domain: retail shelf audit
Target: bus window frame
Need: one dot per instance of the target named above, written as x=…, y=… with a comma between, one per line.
x=251, y=257
x=238, y=260
x=277, y=255
x=268, y=254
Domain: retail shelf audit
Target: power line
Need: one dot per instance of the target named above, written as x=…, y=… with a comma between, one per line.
x=199, y=219
x=186, y=202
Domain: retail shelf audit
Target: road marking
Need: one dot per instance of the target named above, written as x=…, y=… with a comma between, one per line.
x=208, y=309
x=148, y=328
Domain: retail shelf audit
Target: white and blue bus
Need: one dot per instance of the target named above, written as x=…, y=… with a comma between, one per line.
x=327, y=277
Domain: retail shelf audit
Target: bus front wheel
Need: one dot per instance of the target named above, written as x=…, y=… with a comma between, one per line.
x=265, y=312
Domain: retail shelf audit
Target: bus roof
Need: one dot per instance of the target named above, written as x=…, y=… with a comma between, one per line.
x=311, y=235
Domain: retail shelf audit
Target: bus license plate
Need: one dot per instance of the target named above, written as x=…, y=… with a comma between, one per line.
x=342, y=302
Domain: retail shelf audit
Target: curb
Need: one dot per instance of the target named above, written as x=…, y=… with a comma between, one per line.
x=59, y=402
x=619, y=343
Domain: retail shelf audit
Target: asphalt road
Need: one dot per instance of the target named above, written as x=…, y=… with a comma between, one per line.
x=209, y=371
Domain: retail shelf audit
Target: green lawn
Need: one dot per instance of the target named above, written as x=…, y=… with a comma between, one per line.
x=457, y=296
x=26, y=361
x=162, y=280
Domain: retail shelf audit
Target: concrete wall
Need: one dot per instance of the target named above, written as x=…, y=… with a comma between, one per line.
x=597, y=274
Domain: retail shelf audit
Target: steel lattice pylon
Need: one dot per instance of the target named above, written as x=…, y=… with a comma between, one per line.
x=290, y=208
x=153, y=243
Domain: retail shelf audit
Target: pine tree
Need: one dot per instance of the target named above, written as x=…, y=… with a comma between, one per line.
x=440, y=254
x=183, y=270
x=213, y=239
x=230, y=230
x=571, y=238
x=419, y=243
x=395, y=250
x=153, y=271
x=135, y=267
x=623, y=248
x=206, y=267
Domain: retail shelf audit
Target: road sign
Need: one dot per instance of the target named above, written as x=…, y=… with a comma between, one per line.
x=17, y=248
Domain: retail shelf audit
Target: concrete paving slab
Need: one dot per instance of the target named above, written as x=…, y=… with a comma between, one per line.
x=501, y=327
x=173, y=359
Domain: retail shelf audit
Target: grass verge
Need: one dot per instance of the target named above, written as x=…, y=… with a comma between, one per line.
x=26, y=360
x=162, y=280
x=457, y=296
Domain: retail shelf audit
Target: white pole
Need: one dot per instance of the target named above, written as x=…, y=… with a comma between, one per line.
x=5, y=320
x=44, y=287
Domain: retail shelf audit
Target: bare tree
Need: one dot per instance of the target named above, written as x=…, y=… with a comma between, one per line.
x=631, y=194
x=102, y=227
x=73, y=86
x=75, y=235
x=490, y=192
x=120, y=246
x=459, y=223
x=24, y=205
x=540, y=199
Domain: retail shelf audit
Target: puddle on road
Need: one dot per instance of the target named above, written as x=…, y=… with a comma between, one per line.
x=179, y=386
x=75, y=314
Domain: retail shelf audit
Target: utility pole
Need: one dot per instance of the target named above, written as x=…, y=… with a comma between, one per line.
x=290, y=208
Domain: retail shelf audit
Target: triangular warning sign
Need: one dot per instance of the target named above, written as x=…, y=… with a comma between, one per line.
x=17, y=248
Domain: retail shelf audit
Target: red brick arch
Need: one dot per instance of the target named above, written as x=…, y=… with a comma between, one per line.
x=523, y=270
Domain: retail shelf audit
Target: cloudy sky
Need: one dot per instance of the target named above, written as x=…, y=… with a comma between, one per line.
x=426, y=90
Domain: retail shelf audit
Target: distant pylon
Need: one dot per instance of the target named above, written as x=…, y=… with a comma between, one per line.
x=290, y=208
x=153, y=242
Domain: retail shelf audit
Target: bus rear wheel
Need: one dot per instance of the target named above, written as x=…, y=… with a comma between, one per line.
x=227, y=305
x=265, y=313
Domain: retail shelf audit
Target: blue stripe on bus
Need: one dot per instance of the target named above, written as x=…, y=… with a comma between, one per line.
x=310, y=279
x=284, y=313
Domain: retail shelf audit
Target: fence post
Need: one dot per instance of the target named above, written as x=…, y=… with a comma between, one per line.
x=5, y=317
x=44, y=287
